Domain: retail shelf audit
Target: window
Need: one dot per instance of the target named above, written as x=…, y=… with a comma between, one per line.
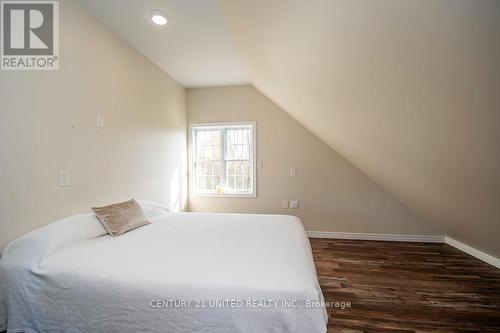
x=223, y=159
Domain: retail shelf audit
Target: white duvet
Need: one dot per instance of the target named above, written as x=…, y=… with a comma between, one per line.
x=185, y=272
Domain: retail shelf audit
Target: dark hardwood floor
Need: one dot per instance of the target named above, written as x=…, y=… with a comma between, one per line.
x=406, y=287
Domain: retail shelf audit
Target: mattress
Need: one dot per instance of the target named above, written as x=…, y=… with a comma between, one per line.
x=185, y=272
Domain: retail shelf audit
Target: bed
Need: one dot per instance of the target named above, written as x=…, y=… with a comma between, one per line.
x=184, y=272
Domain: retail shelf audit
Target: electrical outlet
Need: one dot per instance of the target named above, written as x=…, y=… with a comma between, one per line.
x=293, y=172
x=294, y=204
x=284, y=204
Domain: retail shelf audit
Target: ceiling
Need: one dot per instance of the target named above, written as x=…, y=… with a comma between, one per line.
x=194, y=47
x=408, y=91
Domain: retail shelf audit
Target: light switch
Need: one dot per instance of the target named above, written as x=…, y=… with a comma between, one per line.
x=293, y=172
x=100, y=121
x=294, y=204
x=64, y=178
x=284, y=204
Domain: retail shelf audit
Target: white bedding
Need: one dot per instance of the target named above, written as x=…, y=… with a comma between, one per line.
x=70, y=276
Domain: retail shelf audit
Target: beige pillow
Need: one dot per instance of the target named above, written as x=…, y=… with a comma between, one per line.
x=121, y=217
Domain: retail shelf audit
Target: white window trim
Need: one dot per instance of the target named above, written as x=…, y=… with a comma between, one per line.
x=192, y=180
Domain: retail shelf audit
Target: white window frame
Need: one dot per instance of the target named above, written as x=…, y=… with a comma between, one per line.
x=253, y=159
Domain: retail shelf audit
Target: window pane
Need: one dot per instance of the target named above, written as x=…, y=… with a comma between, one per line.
x=208, y=175
x=238, y=175
x=208, y=145
x=230, y=168
x=237, y=183
x=245, y=168
x=246, y=183
x=238, y=144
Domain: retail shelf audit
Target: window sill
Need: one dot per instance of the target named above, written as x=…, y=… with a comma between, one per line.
x=229, y=195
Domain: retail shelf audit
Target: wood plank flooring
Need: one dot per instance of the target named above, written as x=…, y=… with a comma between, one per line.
x=406, y=287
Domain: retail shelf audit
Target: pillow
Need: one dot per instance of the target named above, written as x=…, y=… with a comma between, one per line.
x=121, y=217
x=152, y=209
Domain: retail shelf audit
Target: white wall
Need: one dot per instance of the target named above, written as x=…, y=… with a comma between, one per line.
x=334, y=195
x=48, y=123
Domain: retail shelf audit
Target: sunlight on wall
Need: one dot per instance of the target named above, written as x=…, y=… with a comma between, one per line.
x=175, y=190
x=178, y=187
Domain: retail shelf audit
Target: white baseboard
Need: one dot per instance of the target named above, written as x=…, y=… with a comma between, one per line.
x=408, y=238
x=473, y=252
x=376, y=237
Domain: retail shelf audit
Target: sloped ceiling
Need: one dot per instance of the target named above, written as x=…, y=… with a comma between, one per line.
x=408, y=91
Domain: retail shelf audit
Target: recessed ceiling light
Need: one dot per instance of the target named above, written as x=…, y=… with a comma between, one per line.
x=158, y=17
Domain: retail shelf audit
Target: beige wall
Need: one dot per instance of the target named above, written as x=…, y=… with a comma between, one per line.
x=48, y=123
x=334, y=195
